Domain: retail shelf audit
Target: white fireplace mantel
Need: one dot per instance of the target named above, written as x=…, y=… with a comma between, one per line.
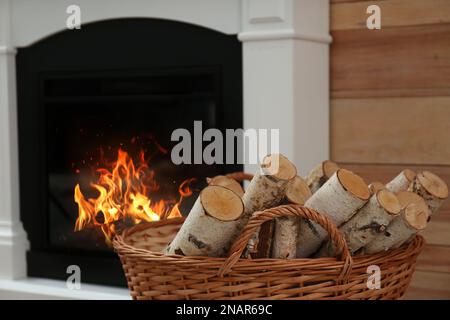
x=285, y=77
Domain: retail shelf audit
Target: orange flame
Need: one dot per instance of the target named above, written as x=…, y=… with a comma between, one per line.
x=124, y=195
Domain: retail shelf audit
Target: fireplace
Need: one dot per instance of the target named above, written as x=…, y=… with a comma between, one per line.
x=82, y=98
x=284, y=78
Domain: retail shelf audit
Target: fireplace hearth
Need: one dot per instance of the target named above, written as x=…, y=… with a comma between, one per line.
x=116, y=84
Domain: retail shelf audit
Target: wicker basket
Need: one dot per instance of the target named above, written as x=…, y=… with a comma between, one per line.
x=153, y=275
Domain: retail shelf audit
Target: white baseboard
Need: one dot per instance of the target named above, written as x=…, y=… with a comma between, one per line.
x=45, y=289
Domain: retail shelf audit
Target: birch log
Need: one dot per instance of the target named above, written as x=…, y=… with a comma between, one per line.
x=402, y=181
x=266, y=190
x=376, y=186
x=411, y=220
x=339, y=199
x=226, y=182
x=285, y=238
x=286, y=228
x=431, y=188
x=297, y=191
x=372, y=219
x=407, y=197
x=211, y=226
x=268, y=186
x=320, y=174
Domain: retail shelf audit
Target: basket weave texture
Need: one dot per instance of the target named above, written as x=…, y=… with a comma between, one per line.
x=152, y=275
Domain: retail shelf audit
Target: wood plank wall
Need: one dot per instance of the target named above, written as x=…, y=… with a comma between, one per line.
x=390, y=107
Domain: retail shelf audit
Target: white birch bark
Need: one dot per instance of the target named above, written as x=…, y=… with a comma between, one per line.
x=402, y=181
x=371, y=220
x=339, y=199
x=431, y=188
x=211, y=226
x=412, y=219
x=266, y=190
x=320, y=174
x=286, y=228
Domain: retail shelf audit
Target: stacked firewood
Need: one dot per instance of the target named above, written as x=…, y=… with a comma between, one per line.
x=372, y=218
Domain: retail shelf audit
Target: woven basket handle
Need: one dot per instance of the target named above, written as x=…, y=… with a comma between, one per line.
x=260, y=217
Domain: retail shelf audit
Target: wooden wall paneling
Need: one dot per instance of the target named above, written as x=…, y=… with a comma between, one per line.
x=391, y=130
x=390, y=108
x=344, y=1
x=384, y=173
x=394, y=13
x=437, y=231
x=434, y=258
x=429, y=285
x=386, y=93
x=404, y=61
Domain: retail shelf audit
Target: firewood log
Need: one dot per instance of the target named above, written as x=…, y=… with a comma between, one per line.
x=211, y=226
x=297, y=191
x=407, y=197
x=320, y=174
x=339, y=199
x=286, y=228
x=402, y=181
x=226, y=182
x=372, y=219
x=375, y=186
x=284, y=244
x=266, y=190
x=431, y=188
x=411, y=220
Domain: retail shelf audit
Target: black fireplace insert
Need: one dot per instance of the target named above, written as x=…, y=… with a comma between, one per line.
x=113, y=85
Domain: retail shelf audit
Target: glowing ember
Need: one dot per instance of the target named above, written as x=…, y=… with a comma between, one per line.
x=124, y=195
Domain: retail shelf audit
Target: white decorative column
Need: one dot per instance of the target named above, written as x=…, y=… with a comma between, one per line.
x=286, y=75
x=13, y=240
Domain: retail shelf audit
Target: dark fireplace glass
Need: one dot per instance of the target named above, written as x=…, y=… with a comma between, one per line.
x=90, y=118
x=113, y=85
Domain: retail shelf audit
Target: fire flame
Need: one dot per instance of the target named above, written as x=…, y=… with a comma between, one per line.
x=124, y=195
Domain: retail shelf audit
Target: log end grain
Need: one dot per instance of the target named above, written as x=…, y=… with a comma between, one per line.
x=416, y=216
x=388, y=201
x=353, y=184
x=297, y=191
x=279, y=167
x=228, y=183
x=433, y=184
x=221, y=203
x=376, y=186
x=409, y=174
x=407, y=197
x=320, y=174
x=329, y=168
